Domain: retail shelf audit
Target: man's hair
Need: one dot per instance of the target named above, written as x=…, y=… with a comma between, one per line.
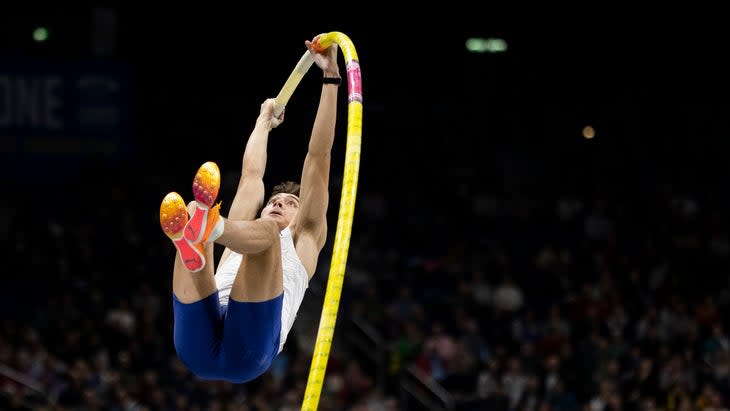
x=289, y=187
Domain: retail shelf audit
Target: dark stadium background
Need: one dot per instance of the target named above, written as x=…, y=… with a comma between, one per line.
x=472, y=165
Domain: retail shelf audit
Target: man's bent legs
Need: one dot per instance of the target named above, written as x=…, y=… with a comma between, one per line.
x=235, y=343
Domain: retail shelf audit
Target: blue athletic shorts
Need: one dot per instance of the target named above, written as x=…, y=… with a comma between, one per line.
x=234, y=343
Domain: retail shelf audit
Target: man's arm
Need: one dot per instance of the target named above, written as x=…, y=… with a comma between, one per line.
x=311, y=224
x=249, y=196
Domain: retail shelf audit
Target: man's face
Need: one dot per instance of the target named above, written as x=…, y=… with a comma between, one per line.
x=281, y=208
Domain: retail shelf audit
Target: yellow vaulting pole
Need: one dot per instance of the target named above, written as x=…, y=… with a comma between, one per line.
x=344, y=219
x=292, y=82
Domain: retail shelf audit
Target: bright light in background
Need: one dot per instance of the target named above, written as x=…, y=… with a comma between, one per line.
x=40, y=34
x=588, y=132
x=488, y=45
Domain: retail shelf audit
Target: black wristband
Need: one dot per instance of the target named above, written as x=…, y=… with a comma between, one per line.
x=332, y=80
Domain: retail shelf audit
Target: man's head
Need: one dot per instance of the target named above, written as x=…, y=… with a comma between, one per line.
x=283, y=204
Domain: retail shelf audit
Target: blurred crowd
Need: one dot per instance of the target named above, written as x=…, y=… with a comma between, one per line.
x=559, y=302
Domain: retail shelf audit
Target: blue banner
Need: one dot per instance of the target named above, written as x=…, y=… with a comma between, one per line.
x=54, y=115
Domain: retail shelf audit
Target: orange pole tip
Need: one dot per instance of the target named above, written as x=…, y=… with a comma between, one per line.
x=317, y=46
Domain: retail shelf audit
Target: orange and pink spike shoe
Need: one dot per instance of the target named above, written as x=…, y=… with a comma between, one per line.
x=205, y=223
x=173, y=219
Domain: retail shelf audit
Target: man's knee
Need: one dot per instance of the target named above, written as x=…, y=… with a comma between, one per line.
x=271, y=228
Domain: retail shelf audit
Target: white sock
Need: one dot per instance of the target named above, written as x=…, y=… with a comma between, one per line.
x=217, y=230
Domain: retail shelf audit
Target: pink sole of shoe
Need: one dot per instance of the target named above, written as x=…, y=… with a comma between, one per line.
x=191, y=257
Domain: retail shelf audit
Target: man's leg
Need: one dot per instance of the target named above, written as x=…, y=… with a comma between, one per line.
x=198, y=320
x=253, y=318
x=192, y=278
x=252, y=329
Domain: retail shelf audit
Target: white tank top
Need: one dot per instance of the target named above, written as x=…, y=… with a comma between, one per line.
x=296, y=282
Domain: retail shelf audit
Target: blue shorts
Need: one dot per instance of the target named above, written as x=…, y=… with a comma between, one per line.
x=234, y=343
